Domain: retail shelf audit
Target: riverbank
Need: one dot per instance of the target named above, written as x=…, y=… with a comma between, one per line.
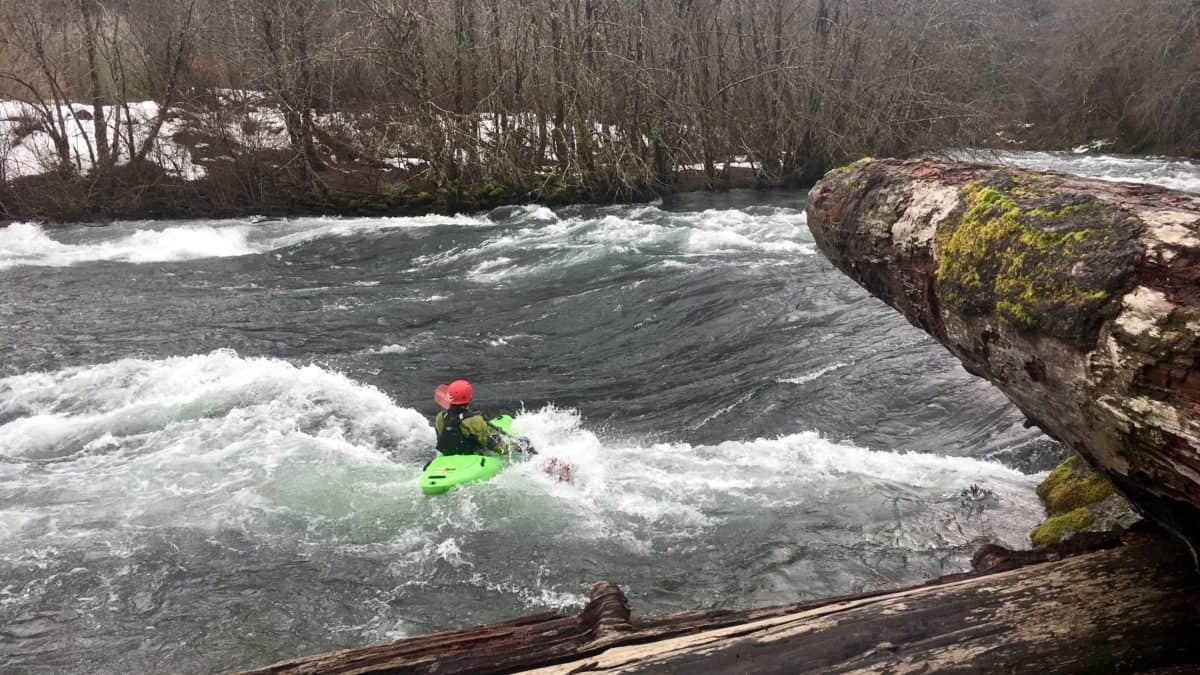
x=146, y=192
x=229, y=156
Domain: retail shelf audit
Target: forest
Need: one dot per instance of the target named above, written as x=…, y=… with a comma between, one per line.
x=173, y=107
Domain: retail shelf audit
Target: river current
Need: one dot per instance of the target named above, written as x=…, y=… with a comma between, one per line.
x=211, y=431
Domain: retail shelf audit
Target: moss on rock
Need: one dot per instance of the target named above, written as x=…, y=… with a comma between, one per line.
x=1039, y=260
x=1078, y=499
x=1073, y=485
x=1058, y=528
x=852, y=166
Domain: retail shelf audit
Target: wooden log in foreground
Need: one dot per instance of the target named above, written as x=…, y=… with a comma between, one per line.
x=1126, y=609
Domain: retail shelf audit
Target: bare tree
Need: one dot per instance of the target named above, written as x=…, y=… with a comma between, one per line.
x=586, y=97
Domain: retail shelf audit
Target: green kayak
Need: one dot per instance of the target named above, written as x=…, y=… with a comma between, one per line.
x=446, y=471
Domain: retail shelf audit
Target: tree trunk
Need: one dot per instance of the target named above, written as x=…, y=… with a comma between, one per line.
x=1120, y=610
x=1078, y=298
x=103, y=161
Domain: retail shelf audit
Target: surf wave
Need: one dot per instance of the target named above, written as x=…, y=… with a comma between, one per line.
x=30, y=244
x=526, y=230
x=24, y=244
x=208, y=441
x=221, y=434
x=648, y=231
x=219, y=453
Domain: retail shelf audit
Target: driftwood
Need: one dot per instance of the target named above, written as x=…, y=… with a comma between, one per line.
x=1126, y=609
x=1078, y=298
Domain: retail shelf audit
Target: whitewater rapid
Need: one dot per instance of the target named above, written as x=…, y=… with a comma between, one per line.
x=310, y=461
x=211, y=431
x=121, y=481
x=569, y=239
x=647, y=228
x=213, y=440
x=1171, y=172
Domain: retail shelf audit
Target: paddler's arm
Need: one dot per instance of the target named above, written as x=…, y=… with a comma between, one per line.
x=478, y=428
x=438, y=423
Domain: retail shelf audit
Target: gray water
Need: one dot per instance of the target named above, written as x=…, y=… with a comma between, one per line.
x=211, y=431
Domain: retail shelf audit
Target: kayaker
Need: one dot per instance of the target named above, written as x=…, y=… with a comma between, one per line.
x=460, y=430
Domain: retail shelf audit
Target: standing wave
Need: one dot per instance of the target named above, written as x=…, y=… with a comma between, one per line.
x=219, y=440
x=24, y=244
x=203, y=441
x=297, y=485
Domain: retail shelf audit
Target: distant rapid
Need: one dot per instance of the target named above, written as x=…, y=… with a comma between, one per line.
x=211, y=431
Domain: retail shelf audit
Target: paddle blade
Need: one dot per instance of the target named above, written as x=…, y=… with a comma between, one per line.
x=441, y=396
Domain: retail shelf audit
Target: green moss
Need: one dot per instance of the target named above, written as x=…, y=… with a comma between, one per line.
x=1073, y=485
x=853, y=166
x=1056, y=528
x=1075, y=497
x=1061, y=473
x=1015, y=313
x=1016, y=261
x=1030, y=185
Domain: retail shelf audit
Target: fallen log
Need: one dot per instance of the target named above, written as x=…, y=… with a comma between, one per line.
x=1078, y=298
x=1125, y=609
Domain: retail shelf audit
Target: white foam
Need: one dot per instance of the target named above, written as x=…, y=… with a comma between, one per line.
x=814, y=375
x=537, y=596
x=561, y=243
x=668, y=490
x=538, y=213
x=1172, y=172
x=290, y=232
x=27, y=244
x=301, y=458
x=204, y=441
x=390, y=349
x=645, y=230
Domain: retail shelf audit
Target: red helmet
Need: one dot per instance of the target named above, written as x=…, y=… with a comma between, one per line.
x=460, y=392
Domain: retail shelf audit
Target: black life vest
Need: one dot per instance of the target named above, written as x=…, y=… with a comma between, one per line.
x=452, y=441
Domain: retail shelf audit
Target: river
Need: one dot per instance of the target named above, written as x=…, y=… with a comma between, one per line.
x=211, y=431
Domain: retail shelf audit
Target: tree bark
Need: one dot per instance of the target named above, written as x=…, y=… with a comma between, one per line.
x=1120, y=610
x=104, y=159
x=1079, y=299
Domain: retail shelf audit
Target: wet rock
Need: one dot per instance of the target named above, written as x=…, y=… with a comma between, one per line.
x=1078, y=298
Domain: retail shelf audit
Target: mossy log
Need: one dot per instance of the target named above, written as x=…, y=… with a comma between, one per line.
x=1125, y=609
x=1078, y=298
